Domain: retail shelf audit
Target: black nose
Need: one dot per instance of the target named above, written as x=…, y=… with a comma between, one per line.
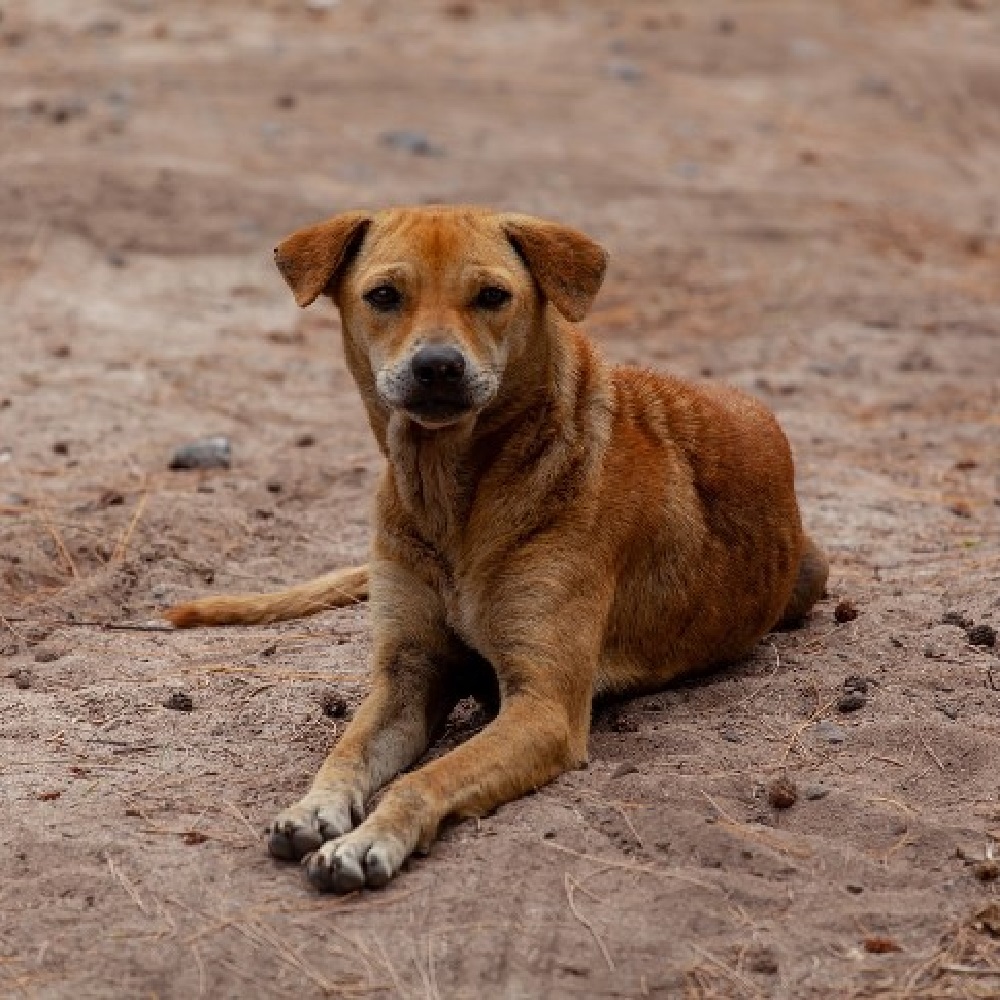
x=437, y=367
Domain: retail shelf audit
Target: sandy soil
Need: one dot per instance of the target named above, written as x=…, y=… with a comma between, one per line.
x=800, y=198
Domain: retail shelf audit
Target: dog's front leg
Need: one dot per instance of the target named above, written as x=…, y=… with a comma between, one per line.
x=540, y=732
x=417, y=679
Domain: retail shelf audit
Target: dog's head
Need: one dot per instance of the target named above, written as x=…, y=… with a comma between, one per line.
x=442, y=300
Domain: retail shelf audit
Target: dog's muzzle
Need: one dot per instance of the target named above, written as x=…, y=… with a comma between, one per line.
x=437, y=386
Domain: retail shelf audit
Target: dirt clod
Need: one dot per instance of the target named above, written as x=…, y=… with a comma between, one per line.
x=22, y=678
x=959, y=618
x=179, y=701
x=782, y=793
x=880, y=944
x=851, y=701
x=983, y=635
x=845, y=611
x=333, y=705
x=987, y=871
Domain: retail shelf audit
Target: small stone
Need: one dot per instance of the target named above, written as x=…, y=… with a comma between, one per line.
x=851, y=701
x=988, y=919
x=48, y=655
x=816, y=792
x=932, y=652
x=763, y=961
x=60, y=448
x=983, y=635
x=845, y=611
x=830, y=732
x=22, y=678
x=880, y=944
x=320, y=6
x=949, y=710
x=111, y=498
x=269, y=650
x=179, y=701
x=305, y=441
x=194, y=837
x=959, y=618
x=987, y=871
x=410, y=141
x=731, y=736
x=622, y=769
x=854, y=889
x=782, y=793
x=333, y=705
x=205, y=453
x=627, y=72
x=961, y=508
x=274, y=486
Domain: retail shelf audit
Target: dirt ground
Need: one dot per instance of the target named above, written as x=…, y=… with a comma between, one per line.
x=799, y=198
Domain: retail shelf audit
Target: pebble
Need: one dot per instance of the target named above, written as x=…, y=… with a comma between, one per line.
x=411, y=141
x=987, y=871
x=627, y=72
x=320, y=6
x=763, y=961
x=622, y=769
x=830, y=732
x=782, y=793
x=816, y=792
x=959, y=618
x=854, y=889
x=731, y=736
x=983, y=635
x=845, y=611
x=205, y=453
x=48, y=655
x=305, y=441
x=855, y=682
x=948, y=710
x=22, y=678
x=851, y=701
x=179, y=701
x=333, y=705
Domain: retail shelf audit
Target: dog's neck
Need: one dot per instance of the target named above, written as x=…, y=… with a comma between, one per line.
x=535, y=426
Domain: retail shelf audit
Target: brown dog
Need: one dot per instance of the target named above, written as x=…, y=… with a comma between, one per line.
x=548, y=529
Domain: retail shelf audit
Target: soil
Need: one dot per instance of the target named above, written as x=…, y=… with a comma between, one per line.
x=799, y=198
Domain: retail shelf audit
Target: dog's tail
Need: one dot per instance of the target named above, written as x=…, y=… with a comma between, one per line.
x=810, y=585
x=334, y=590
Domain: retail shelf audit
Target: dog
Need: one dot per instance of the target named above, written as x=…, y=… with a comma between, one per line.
x=548, y=529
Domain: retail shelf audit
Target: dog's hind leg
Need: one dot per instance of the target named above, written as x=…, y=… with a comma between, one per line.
x=334, y=590
x=814, y=568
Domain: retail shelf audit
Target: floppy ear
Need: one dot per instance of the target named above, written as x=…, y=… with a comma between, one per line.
x=567, y=265
x=310, y=258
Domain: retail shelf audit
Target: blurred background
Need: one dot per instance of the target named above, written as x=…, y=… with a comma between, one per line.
x=799, y=196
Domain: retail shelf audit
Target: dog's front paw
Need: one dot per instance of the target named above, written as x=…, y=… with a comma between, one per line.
x=319, y=817
x=365, y=857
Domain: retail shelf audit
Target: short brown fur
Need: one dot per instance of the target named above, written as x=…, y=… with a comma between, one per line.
x=579, y=530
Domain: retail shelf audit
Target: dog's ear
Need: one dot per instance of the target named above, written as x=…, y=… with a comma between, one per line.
x=310, y=258
x=567, y=265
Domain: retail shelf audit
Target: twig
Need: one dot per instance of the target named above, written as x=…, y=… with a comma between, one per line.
x=969, y=970
x=127, y=886
x=638, y=869
x=43, y=516
x=571, y=884
x=770, y=677
x=731, y=973
x=934, y=757
x=118, y=555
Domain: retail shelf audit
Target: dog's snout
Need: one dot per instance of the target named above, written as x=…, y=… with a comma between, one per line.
x=438, y=367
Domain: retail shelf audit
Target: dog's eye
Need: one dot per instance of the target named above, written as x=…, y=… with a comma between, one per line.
x=492, y=297
x=385, y=298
